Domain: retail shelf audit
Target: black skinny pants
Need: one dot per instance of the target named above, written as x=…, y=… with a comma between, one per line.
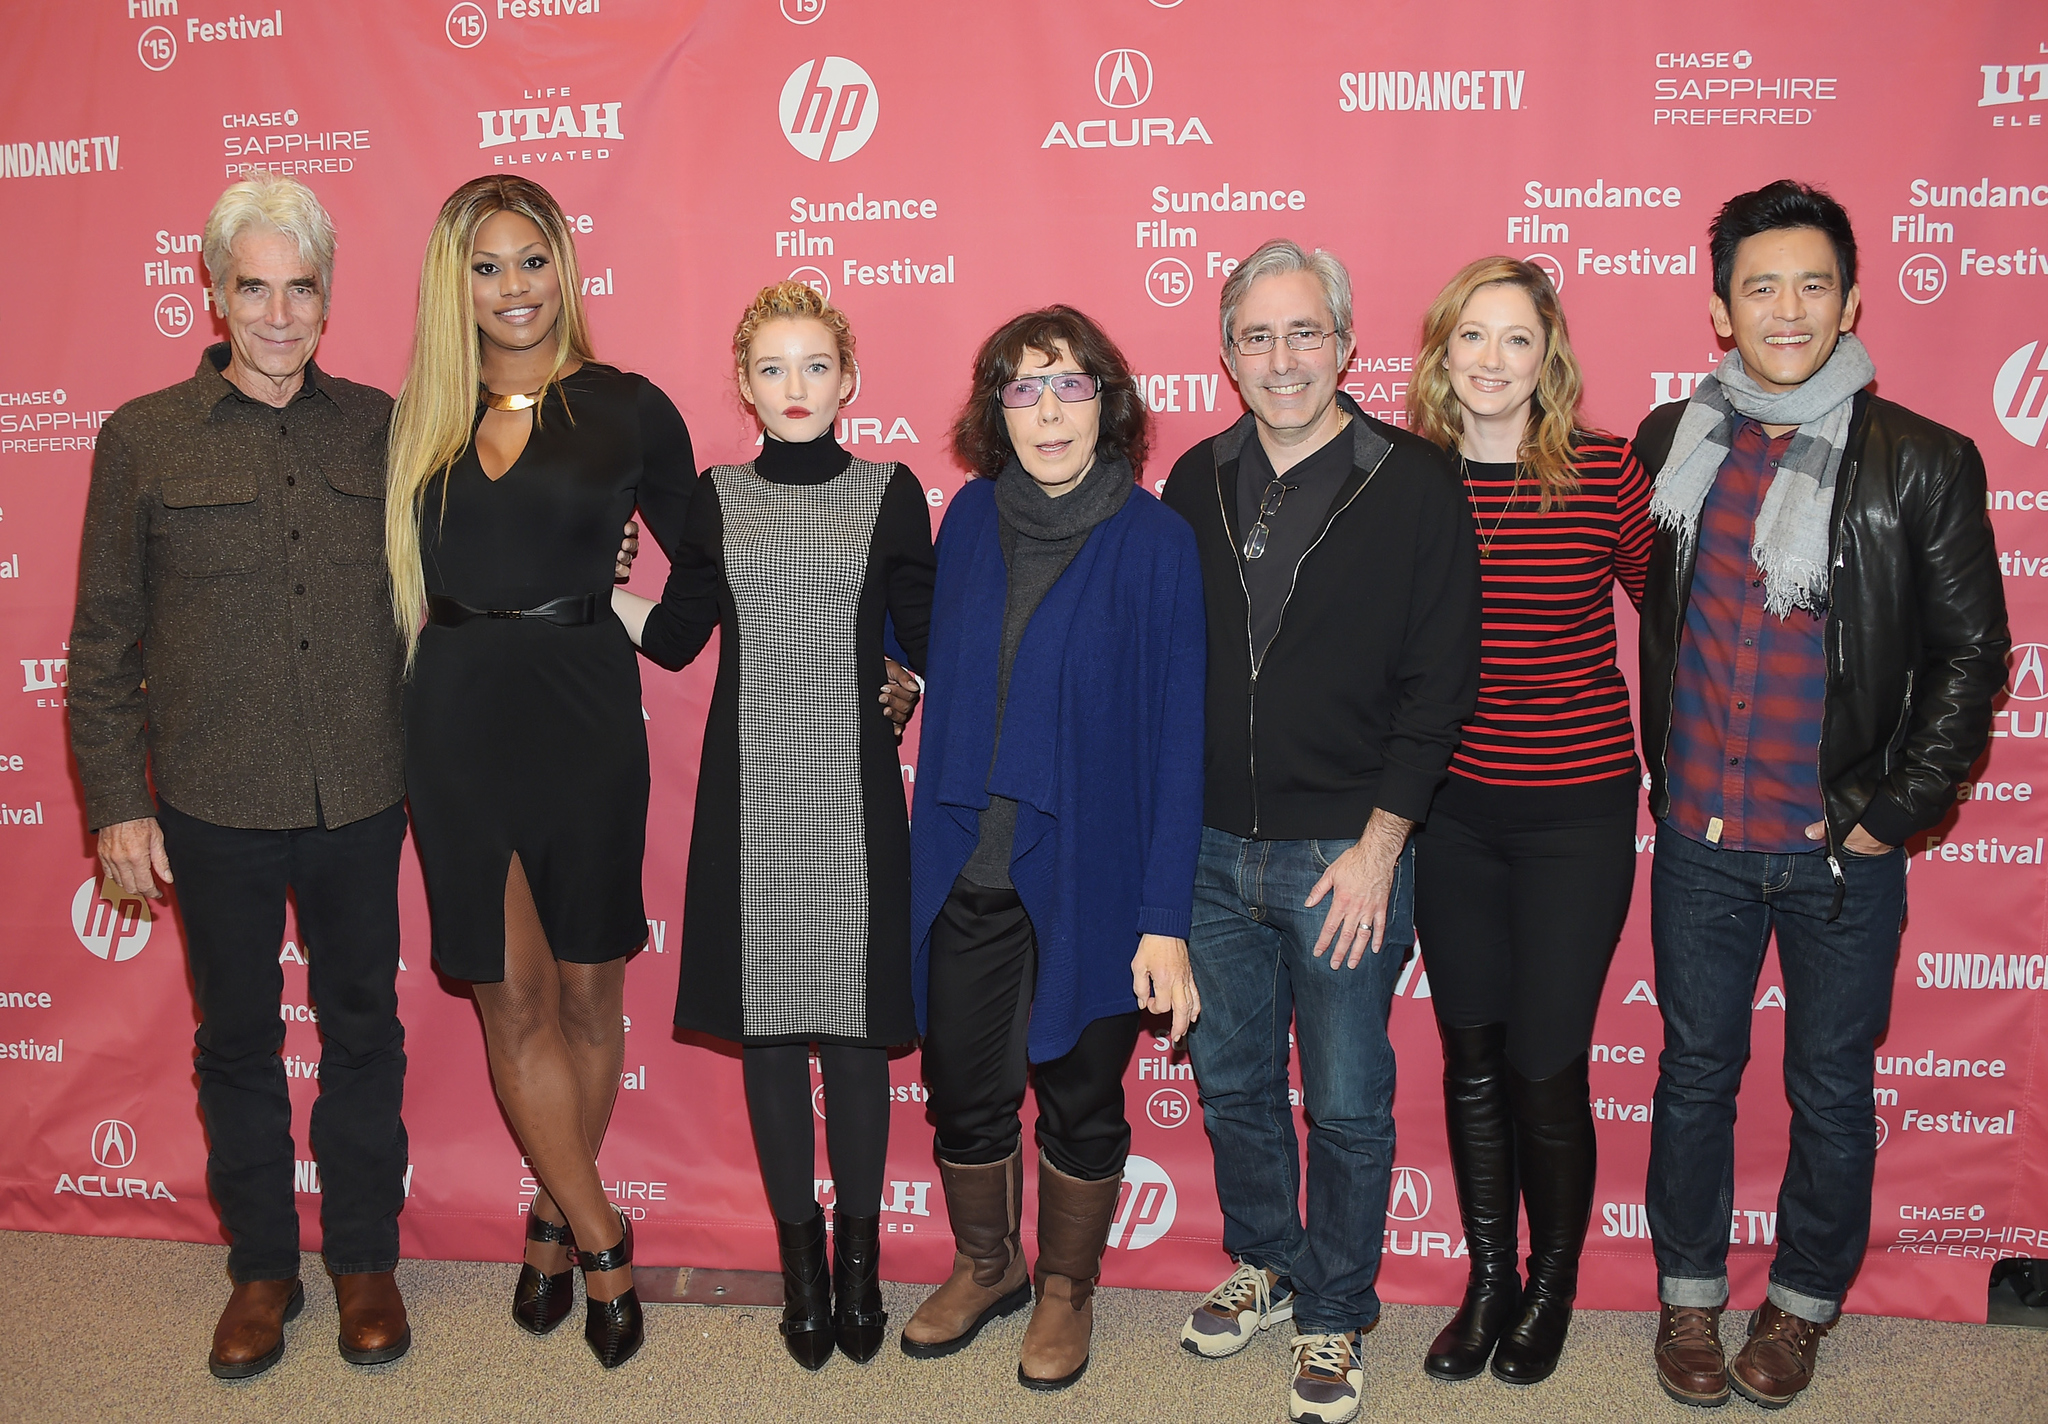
x=1518, y=923
x=984, y=968
x=231, y=886
x=778, y=1079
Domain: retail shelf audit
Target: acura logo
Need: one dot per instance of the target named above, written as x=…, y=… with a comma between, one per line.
x=1410, y=1196
x=1123, y=78
x=113, y=1144
x=2028, y=680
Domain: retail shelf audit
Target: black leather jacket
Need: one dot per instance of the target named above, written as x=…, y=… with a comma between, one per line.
x=1915, y=637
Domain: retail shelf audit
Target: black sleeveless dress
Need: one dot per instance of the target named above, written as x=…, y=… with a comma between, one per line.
x=524, y=735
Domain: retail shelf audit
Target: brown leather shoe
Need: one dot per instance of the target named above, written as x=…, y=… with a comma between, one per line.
x=986, y=1204
x=1691, y=1365
x=249, y=1337
x=373, y=1324
x=1073, y=1228
x=1776, y=1362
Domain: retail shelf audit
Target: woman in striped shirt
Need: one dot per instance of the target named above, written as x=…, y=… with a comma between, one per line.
x=1524, y=870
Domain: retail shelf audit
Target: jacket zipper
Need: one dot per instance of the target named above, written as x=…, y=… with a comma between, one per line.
x=1905, y=716
x=1251, y=651
x=1841, y=670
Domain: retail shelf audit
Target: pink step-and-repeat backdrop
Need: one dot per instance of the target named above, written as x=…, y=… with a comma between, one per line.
x=937, y=169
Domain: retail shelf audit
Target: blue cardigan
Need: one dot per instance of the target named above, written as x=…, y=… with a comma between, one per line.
x=1101, y=749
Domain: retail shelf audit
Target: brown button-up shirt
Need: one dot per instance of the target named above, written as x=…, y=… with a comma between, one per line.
x=233, y=638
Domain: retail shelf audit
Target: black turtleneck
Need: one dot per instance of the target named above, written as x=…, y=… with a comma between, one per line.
x=811, y=462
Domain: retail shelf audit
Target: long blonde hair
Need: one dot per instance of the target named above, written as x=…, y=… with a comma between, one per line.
x=436, y=412
x=1433, y=409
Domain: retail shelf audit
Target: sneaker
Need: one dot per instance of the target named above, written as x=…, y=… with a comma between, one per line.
x=1253, y=1299
x=1327, y=1379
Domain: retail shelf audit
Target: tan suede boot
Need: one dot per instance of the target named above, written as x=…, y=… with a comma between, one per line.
x=1073, y=1227
x=989, y=1280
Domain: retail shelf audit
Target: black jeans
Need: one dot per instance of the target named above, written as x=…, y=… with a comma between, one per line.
x=231, y=887
x=984, y=964
x=1517, y=925
x=1712, y=912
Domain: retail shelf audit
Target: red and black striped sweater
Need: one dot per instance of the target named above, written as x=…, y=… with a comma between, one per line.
x=1553, y=713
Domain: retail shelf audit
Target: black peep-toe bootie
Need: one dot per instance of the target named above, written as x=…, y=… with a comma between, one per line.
x=613, y=1328
x=540, y=1303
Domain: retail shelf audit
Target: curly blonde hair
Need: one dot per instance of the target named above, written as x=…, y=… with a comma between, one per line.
x=789, y=300
x=1433, y=409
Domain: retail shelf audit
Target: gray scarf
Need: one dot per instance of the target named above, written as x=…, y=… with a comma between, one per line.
x=1790, y=541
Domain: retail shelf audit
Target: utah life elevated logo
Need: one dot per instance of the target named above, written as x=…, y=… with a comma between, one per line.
x=829, y=108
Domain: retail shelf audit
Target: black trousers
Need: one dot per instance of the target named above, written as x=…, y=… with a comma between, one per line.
x=984, y=965
x=1517, y=924
x=231, y=886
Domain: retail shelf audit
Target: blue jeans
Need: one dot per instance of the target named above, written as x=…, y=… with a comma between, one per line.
x=1711, y=914
x=1250, y=946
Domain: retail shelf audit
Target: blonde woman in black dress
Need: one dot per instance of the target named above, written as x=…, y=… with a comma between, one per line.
x=515, y=458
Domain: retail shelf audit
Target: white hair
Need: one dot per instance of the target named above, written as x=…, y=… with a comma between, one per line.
x=280, y=204
x=1280, y=256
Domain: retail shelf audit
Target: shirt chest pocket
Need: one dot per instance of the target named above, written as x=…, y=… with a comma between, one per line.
x=353, y=501
x=212, y=525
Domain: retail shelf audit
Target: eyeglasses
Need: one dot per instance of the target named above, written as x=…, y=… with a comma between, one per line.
x=1072, y=388
x=1269, y=505
x=1261, y=342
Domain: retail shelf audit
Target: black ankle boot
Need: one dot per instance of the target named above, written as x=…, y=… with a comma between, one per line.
x=540, y=1303
x=1556, y=1155
x=612, y=1328
x=857, y=1315
x=1482, y=1138
x=806, y=1291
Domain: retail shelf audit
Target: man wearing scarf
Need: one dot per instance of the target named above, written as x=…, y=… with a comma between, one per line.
x=1821, y=638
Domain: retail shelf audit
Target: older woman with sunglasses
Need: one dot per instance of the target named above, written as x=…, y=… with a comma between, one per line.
x=1058, y=814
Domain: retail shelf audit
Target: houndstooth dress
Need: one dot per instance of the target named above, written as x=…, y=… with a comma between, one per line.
x=796, y=922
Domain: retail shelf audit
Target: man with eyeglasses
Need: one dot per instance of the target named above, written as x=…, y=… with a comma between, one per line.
x=1342, y=582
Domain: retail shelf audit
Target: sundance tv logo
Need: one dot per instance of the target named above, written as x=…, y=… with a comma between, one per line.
x=829, y=108
x=2020, y=394
x=114, y=928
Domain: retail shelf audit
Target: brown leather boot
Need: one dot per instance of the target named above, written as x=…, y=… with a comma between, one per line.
x=989, y=1281
x=373, y=1324
x=249, y=1337
x=1691, y=1365
x=1073, y=1227
x=1776, y=1362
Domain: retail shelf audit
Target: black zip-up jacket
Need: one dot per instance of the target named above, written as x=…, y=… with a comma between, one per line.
x=1359, y=699
x=1915, y=635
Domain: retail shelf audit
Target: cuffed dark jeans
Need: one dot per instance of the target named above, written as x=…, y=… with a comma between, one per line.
x=1250, y=951
x=231, y=887
x=984, y=970
x=1712, y=912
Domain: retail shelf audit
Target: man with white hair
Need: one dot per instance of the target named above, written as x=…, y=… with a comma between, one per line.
x=1342, y=581
x=233, y=644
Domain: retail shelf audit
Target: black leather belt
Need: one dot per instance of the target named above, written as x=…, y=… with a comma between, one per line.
x=572, y=611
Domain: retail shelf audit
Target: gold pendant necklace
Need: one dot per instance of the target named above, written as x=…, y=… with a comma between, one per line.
x=515, y=401
x=1486, y=543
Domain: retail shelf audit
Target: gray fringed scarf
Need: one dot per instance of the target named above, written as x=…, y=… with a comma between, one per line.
x=1790, y=542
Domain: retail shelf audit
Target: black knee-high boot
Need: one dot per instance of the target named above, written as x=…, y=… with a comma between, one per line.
x=1482, y=1136
x=1556, y=1154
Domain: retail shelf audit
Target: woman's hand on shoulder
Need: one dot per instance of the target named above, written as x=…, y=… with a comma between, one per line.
x=1164, y=982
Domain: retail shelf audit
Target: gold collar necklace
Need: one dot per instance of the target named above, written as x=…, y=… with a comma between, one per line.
x=514, y=401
